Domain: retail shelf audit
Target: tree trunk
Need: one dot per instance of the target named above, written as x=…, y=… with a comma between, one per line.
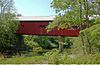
x=99, y=8
x=86, y=7
x=83, y=44
x=61, y=44
x=98, y=48
x=89, y=44
x=61, y=47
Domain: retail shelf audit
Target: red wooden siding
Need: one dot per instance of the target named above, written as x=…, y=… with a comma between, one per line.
x=38, y=28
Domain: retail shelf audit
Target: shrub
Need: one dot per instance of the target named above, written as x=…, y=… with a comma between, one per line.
x=54, y=56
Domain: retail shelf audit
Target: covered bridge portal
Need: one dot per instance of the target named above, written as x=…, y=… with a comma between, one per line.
x=36, y=25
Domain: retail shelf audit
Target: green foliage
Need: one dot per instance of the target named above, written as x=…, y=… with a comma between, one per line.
x=75, y=13
x=97, y=21
x=24, y=60
x=71, y=12
x=68, y=43
x=55, y=57
x=84, y=59
x=8, y=29
x=52, y=42
x=8, y=25
x=93, y=36
x=45, y=42
x=93, y=33
x=29, y=41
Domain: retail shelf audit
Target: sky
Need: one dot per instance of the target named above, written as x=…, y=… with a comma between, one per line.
x=34, y=7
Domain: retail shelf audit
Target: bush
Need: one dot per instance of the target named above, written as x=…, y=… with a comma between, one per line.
x=55, y=57
x=8, y=27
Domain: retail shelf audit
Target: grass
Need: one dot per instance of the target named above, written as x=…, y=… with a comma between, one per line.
x=87, y=59
x=52, y=57
x=24, y=60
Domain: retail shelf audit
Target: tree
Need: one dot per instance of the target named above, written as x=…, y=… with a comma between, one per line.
x=74, y=12
x=6, y=6
x=92, y=36
x=8, y=25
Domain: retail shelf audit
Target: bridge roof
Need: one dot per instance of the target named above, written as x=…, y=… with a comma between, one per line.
x=35, y=18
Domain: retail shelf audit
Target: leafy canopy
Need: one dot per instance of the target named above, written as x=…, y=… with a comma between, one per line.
x=8, y=25
x=73, y=12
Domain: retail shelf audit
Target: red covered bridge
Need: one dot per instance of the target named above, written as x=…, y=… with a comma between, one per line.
x=35, y=25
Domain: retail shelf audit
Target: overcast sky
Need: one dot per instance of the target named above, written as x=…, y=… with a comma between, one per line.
x=34, y=7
